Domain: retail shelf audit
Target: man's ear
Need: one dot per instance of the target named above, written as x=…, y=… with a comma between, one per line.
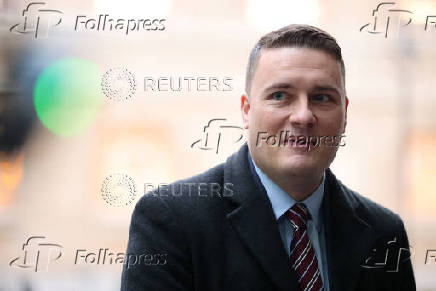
x=245, y=109
x=346, y=110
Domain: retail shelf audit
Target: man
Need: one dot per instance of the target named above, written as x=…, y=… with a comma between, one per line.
x=274, y=217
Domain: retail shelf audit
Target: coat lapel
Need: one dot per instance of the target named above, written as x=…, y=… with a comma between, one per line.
x=347, y=236
x=254, y=221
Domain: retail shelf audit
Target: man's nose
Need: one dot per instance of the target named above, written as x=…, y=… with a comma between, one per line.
x=301, y=113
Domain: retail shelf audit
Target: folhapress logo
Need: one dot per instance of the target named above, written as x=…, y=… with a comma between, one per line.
x=37, y=254
x=37, y=20
x=106, y=23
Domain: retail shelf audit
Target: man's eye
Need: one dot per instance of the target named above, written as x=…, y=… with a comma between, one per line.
x=321, y=97
x=278, y=96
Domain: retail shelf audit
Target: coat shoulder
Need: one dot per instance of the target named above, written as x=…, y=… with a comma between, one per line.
x=372, y=212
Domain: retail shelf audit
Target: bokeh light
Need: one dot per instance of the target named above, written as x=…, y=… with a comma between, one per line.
x=67, y=96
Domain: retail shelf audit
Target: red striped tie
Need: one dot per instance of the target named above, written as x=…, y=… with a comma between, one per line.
x=303, y=257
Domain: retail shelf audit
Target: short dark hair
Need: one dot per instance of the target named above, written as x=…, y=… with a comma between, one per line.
x=294, y=35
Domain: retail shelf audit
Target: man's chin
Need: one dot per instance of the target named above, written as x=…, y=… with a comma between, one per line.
x=297, y=167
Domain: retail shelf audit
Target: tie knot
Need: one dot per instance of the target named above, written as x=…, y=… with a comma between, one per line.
x=298, y=215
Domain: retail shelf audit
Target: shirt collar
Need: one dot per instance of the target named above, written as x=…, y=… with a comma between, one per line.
x=281, y=201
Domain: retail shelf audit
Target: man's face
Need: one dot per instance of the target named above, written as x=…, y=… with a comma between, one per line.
x=301, y=91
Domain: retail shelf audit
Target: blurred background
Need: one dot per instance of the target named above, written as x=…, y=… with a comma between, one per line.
x=64, y=141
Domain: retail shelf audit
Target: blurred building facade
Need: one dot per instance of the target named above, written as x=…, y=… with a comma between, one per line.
x=51, y=185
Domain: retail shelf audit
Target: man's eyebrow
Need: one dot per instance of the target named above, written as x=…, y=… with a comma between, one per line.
x=278, y=86
x=289, y=86
x=326, y=88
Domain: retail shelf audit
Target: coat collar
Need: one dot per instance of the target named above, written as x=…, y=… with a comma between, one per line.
x=253, y=219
